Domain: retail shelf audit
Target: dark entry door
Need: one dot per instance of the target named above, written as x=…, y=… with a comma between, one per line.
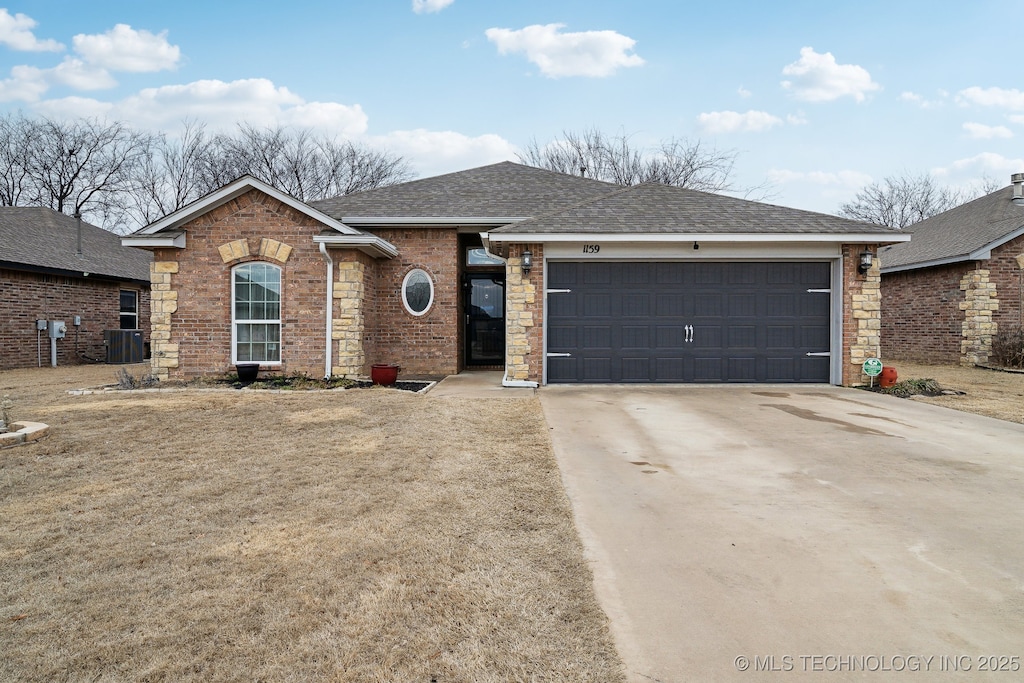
x=688, y=322
x=485, y=319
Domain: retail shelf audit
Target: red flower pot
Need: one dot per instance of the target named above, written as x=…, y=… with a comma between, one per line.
x=888, y=377
x=384, y=374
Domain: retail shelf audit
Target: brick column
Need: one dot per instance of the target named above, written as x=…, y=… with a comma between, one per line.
x=163, y=303
x=978, y=327
x=349, y=323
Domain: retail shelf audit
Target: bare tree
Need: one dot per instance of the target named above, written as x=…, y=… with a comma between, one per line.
x=171, y=175
x=305, y=166
x=615, y=159
x=899, y=201
x=83, y=165
x=16, y=186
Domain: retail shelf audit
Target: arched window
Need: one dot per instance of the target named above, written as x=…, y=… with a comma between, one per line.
x=256, y=313
x=417, y=291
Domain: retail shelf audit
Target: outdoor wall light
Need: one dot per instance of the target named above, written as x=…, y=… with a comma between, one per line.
x=527, y=261
x=866, y=259
x=696, y=246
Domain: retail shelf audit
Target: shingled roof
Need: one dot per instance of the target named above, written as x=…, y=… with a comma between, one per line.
x=662, y=209
x=43, y=239
x=499, y=191
x=966, y=233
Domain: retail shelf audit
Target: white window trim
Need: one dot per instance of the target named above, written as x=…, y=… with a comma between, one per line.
x=405, y=300
x=234, y=321
x=121, y=311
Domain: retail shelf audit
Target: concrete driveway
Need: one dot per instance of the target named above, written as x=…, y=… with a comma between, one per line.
x=779, y=533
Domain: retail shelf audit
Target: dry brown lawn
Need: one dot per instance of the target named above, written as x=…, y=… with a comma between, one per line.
x=988, y=392
x=366, y=535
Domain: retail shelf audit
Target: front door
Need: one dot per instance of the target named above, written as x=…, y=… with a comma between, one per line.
x=485, y=319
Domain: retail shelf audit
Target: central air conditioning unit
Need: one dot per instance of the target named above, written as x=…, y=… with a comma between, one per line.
x=124, y=346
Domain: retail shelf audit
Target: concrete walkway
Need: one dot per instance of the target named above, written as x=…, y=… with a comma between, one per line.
x=477, y=384
x=776, y=533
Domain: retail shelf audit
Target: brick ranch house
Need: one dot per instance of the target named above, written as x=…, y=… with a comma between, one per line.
x=552, y=277
x=43, y=277
x=947, y=293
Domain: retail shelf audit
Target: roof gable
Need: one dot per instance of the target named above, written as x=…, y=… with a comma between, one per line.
x=653, y=208
x=175, y=220
x=499, y=193
x=964, y=233
x=42, y=238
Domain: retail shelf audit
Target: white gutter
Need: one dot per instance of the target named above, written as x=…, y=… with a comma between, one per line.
x=858, y=238
x=330, y=312
x=431, y=220
x=517, y=383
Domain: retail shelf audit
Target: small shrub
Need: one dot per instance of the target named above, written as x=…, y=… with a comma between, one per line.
x=1008, y=347
x=914, y=387
x=126, y=380
x=5, y=413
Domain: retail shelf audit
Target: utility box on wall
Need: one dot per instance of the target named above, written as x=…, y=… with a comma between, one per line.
x=57, y=329
x=124, y=346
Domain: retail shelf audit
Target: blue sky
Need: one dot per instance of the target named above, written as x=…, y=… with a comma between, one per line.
x=817, y=98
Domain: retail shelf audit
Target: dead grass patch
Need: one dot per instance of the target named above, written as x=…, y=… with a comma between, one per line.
x=351, y=536
x=987, y=392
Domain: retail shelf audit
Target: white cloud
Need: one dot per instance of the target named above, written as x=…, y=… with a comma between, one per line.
x=435, y=152
x=16, y=33
x=588, y=53
x=980, y=131
x=797, y=119
x=77, y=74
x=845, y=179
x=26, y=84
x=743, y=92
x=427, y=6
x=921, y=101
x=984, y=163
x=734, y=122
x=220, y=105
x=122, y=48
x=818, y=78
x=1016, y=118
x=992, y=97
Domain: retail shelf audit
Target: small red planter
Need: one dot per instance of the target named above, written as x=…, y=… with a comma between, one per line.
x=888, y=377
x=384, y=374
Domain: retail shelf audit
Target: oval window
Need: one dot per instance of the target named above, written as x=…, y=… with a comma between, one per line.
x=417, y=291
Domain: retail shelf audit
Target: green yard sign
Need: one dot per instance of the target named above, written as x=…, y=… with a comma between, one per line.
x=872, y=367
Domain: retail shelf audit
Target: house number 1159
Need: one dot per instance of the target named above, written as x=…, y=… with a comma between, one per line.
x=591, y=248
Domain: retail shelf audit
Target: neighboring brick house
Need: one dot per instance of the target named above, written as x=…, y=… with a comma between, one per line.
x=551, y=277
x=947, y=292
x=47, y=273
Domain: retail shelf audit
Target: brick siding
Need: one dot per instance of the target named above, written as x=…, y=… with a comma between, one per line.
x=921, y=315
x=27, y=296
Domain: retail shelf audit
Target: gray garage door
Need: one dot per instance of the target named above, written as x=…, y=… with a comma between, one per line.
x=688, y=322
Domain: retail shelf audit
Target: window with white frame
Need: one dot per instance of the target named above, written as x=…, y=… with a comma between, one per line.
x=129, y=310
x=256, y=313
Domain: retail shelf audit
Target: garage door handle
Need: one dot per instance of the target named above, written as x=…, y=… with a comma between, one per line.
x=558, y=291
x=819, y=353
x=559, y=355
x=688, y=329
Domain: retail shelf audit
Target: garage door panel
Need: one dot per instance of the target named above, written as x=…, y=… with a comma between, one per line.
x=689, y=322
x=636, y=337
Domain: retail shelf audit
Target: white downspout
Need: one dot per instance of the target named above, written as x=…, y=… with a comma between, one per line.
x=330, y=311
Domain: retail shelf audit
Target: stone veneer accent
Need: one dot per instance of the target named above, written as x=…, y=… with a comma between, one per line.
x=520, y=296
x=865, y=304
x=232, y=251
x=164, y=302
x=272, y=249
x=978, y=327
x=349, y=322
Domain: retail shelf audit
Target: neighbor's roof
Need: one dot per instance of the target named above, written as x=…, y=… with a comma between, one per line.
x=44, y=239
x=967, y=233
x=654, y=209
x=498, y=193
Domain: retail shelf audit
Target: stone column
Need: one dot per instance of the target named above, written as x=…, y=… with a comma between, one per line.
x=163, y=303
x=863, y=329
x=349, y=323
x=978, y=327
x=520, y=297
